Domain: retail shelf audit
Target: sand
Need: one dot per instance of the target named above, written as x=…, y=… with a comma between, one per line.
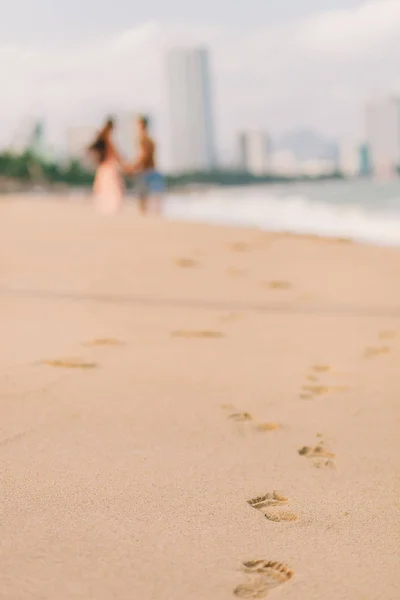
x=193, y=412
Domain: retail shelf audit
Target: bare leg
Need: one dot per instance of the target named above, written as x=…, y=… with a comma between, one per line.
x=143, y=204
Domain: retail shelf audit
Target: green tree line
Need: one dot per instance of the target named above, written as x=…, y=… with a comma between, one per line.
x=27, y=168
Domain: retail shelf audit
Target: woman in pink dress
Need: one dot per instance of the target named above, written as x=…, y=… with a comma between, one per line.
x=108, y=185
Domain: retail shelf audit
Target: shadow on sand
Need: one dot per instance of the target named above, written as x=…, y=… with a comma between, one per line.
x=334, y=310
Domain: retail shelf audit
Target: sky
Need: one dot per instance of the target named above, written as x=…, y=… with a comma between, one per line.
x=276, y=64
x=38, y=21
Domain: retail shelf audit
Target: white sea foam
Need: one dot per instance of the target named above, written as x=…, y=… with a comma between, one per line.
x=293, y=211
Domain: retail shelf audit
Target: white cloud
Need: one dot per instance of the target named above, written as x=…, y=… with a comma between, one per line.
x=316, y=72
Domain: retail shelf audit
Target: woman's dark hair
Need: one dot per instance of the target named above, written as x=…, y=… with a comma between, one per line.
x=99, y=146
x=99, y=149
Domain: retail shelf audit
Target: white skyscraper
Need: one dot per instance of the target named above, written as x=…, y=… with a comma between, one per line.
x=383, y=136
x=254, y=148
x=190, y=110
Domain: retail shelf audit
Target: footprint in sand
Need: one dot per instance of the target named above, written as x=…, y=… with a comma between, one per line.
x=104, y=342
x=316, y=388
x=387, y=335
x=311, y=391
x=245, y=417
x=239, y=246
x=69, y=363
x=376, y=351
x=266, y=427
x=306, y=397
x=321, y=368
x=320, y=456
x=262, y=577
x=271, y=506
x=280, y=516
x=239, y=417
x=197, y=334
x=277, y=285
x=187, y=263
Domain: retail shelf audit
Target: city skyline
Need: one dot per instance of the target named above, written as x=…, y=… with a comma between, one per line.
x=298, y=153
x=254, y=151
x=192, y=133
x=383, y=135
x=315, y=72
x=190, y=110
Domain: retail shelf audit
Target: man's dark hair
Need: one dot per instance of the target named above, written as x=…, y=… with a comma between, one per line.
x=110, y=123
x=144, y=121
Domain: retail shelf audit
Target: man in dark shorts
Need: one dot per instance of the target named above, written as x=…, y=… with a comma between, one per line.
x=149, y=183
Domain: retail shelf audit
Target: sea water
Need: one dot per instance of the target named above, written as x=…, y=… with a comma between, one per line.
x=366, y=211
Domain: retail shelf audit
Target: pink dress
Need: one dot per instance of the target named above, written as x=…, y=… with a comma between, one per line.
x=108, y=187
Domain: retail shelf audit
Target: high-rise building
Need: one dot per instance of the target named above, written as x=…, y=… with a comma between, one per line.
x=254, y=150
x=190, y=110
x=349, y=158
x=383, y=136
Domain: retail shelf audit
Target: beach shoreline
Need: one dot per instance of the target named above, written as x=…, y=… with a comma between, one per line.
x=193, y=411
x=358, y=211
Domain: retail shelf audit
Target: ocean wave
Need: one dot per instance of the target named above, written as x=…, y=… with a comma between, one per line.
x=291, y=212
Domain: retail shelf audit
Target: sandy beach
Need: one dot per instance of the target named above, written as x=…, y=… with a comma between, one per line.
x=195, y=412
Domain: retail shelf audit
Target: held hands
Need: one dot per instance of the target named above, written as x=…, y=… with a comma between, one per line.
x=129, y=168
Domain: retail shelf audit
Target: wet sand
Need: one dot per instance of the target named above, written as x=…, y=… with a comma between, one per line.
x=193, y=412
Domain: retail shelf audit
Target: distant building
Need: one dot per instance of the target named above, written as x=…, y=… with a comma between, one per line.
x=317, y=167
x=383, y=136
x=349, y=158
x=308, y=145
x=254, y=150
x=365, y=162
x=190, y=110
x=284, y=163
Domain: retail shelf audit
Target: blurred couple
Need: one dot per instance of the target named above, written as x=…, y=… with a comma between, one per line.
x=109, y=186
